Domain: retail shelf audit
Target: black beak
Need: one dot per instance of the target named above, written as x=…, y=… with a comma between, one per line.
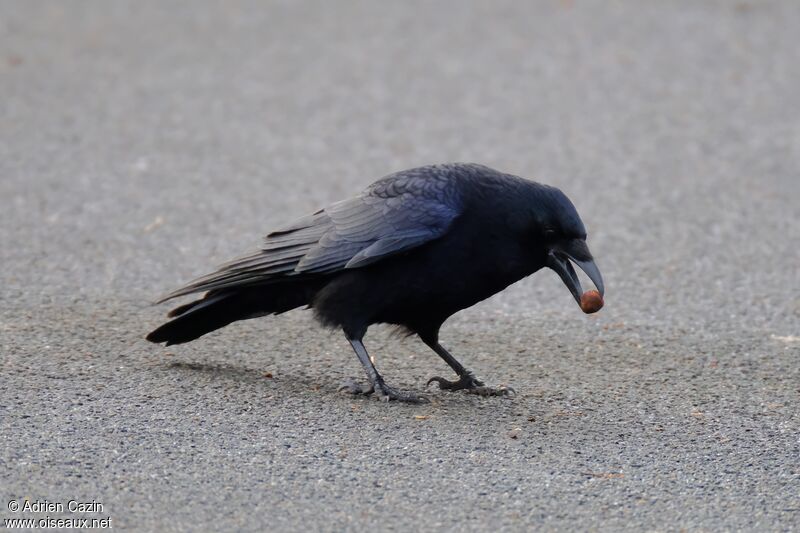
x=560, y=258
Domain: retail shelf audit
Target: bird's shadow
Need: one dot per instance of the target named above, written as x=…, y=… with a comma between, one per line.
x=248, y=374
x=282, y=381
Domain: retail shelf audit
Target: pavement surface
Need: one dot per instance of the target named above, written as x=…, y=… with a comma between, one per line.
x=143, y=143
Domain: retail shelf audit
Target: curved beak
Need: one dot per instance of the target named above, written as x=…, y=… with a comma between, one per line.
x=560, y=258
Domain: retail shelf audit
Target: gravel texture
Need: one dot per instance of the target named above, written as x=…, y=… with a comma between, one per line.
x=142, y=143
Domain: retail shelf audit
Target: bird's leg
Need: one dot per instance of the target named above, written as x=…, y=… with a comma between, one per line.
x=466, y=379
x=384, y=392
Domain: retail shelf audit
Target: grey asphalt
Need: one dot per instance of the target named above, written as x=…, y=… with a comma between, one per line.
x=143, y=143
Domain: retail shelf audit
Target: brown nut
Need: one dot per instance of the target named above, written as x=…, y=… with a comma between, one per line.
x=591, y=302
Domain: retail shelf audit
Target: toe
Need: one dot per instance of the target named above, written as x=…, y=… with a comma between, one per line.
x=490, y=391
x=443, y=383
x=413, y=398
x=389, y=394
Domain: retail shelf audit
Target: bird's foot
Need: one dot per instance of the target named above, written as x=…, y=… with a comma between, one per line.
x=471, y=385
x=385, y=393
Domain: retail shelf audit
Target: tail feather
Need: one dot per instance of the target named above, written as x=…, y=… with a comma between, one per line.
x=217, y=309
x=181, y=309
x=197, y=318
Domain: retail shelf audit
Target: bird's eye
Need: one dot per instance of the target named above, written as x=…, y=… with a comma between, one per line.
x=549, y=233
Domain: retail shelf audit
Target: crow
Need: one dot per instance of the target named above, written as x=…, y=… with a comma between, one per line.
x=411, y=250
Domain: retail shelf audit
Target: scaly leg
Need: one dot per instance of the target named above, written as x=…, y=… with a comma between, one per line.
x=466, y=379
x=384, y=392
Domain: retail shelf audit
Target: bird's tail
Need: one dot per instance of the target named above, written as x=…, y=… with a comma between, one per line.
x=219, y=308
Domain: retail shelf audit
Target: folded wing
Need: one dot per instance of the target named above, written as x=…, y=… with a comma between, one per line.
x=395, y=214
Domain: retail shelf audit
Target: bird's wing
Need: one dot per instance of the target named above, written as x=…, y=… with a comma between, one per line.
x=394, y=214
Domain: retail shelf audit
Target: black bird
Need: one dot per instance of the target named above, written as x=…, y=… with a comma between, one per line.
x=414, y=248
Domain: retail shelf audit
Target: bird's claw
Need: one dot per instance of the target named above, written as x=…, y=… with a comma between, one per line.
x=466, y=381
x=471, y=385
x=387, y=394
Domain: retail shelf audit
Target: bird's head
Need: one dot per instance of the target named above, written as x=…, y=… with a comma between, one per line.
x=561, y=230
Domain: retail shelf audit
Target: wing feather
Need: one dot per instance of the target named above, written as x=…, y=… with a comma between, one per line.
x=394, y=214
